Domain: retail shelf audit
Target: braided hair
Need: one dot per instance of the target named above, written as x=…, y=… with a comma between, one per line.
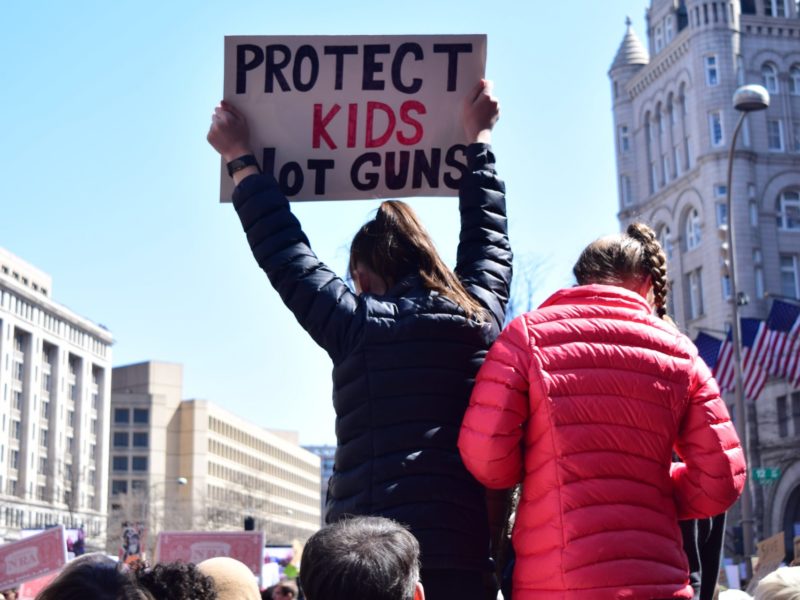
x=618, y=259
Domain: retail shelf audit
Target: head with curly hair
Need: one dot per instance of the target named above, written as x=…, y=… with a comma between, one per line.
x=177, y=581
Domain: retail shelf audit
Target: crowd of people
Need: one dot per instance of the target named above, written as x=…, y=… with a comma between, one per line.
x=594, y=410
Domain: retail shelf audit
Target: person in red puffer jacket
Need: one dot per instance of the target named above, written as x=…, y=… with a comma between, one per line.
x=583, y=401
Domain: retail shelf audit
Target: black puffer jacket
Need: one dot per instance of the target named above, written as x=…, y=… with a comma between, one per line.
x=404, y=365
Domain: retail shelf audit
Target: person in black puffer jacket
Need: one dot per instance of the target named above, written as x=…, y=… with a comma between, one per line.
x=405, y=347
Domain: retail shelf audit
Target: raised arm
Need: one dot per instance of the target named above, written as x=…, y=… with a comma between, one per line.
x=713, y=471
x=320, y=300
x=484, y=254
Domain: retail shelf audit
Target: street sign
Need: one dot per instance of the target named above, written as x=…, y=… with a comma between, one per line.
x=766, y=475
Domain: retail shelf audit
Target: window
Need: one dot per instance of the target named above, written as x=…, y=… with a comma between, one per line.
x=16, y=428
x=726, y=287
x=676, y=160
x=119, y=486
x=722, y=214
x=71, y=418
x=140, y=439
x=789, y=210
x=44, y=438
x=769, y=77
x=624, y=140
x=141, y=415
x=139, y=463
x=783, y=416
x=775, y=8
x=665, y=168
x=625, y=190
x=138, y=485
x=796, y=136
x=659, y=38
x=665, y=241
x=687, y=150
x=794, y=80
x=796, y=412
x=693, y=235
x=19, y=371
x=668, y=30
x=775, y=135
x=120, y=439
x=715, y=128
x=653, y=177
x=694, y=287
x=119, y=463
x=712, y=77
x=16, y=399
x=122, y=415
x=789, y=276
x=43, y=465
x=13, y=457
x=753, y=213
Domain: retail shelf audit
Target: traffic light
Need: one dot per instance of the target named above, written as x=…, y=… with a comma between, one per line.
x=249, y=524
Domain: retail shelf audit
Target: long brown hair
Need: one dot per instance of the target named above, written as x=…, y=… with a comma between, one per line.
x=632, y=256
x=395, y=245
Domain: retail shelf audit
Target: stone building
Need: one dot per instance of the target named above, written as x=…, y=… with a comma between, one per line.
x=673, y=119
x=55, y=381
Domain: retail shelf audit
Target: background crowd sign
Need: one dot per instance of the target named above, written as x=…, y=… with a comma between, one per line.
x=354, y=117
x=771, y=553
x=197, y=546
x=30, y=589
x=32, y=557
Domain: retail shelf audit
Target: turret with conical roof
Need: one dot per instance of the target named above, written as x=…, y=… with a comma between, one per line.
x=631, y=50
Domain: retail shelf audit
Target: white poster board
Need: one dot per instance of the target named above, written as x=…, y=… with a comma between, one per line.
x=355, y=117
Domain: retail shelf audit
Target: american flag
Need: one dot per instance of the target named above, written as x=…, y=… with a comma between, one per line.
x=724, y=372
x=783, y=326
x=708, y=348
x=754, y=343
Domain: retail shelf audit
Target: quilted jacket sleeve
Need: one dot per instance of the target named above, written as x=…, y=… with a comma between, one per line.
x=484, y=254
x=320, y=300
x=493, y=426
x=713, y=471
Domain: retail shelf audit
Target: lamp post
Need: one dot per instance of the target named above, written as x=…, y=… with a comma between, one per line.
x=158, y=517
x=746, y=99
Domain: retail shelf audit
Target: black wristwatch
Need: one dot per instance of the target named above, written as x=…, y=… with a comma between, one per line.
x=237, y=164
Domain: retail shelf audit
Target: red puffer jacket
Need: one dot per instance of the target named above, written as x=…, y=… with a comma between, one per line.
x=583, y=401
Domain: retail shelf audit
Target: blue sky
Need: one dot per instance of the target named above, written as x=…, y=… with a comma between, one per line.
x=107, y=182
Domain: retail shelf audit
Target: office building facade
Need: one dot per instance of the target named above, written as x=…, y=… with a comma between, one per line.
x=55, y=381
x=190, y=464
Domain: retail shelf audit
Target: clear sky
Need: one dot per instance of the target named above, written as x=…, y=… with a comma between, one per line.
x=107, y=182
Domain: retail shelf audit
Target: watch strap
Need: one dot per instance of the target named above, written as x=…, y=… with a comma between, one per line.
x=237, y=164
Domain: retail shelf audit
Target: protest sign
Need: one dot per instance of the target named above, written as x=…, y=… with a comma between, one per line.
x=30, y=589
x=771, y=553
x=32, y=557
x=197, y=546
x=354, y=117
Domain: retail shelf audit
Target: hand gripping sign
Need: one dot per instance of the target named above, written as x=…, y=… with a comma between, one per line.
x=355, y=117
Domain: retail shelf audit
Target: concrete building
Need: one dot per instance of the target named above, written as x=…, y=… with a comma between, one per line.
x=55, y=369
x=190, y=464
x=327, y=455
x=674, y=119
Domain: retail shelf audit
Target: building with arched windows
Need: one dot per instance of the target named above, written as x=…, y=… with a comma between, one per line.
x=673, y=118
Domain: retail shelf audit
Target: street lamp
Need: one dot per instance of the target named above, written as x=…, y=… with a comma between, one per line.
x=746, y=99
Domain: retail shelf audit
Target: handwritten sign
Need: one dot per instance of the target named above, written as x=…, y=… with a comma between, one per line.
x=353, y=117
x=32, y=557
x=771, y=553
x=197, y=546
